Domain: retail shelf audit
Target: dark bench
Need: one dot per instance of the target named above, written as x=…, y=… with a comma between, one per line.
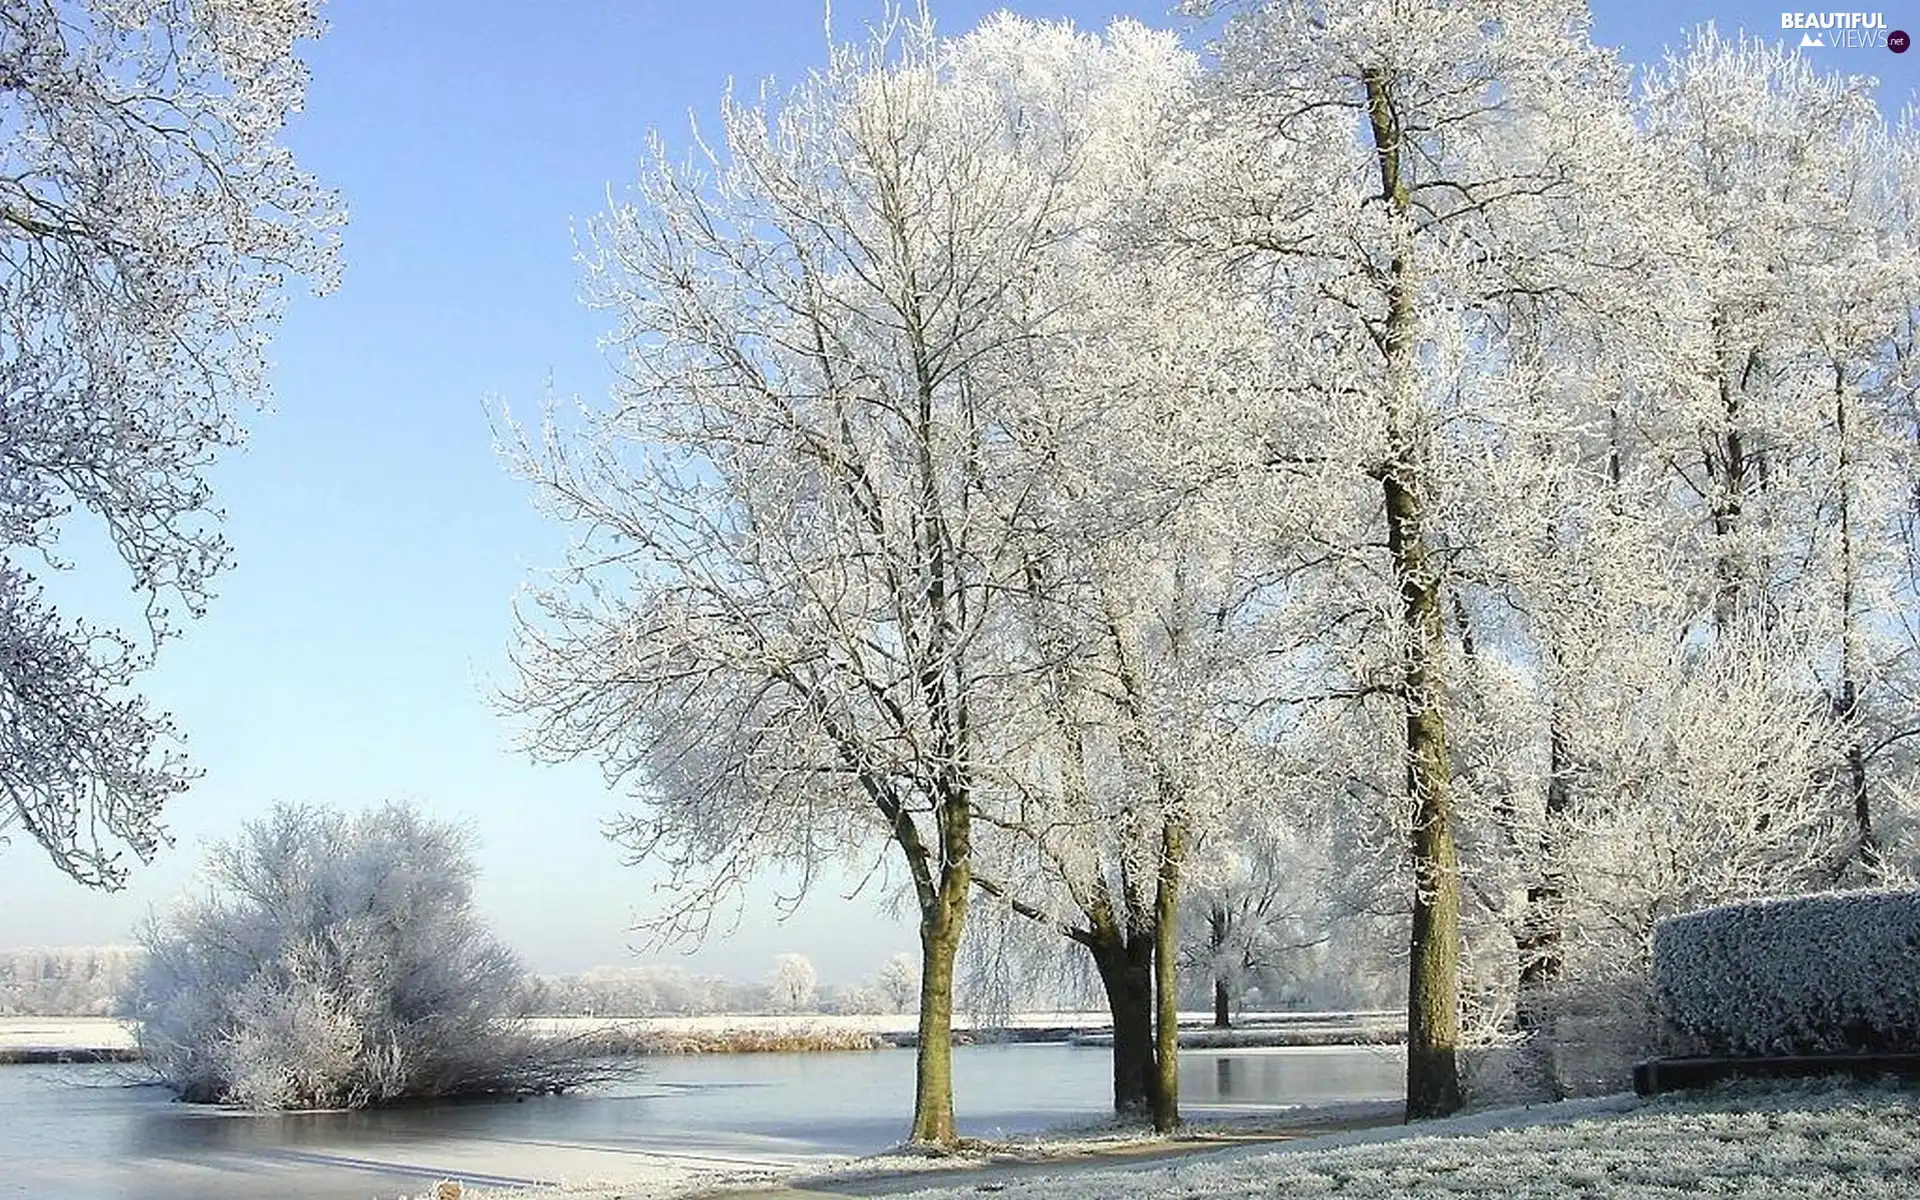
x=1674, y=1074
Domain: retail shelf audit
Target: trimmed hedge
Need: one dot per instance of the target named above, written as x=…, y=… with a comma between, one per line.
x=1809, y=975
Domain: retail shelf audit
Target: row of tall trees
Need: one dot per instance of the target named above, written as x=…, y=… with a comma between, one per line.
x=1065, y=472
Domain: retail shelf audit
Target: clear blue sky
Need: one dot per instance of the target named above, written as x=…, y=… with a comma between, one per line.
x=379, y=543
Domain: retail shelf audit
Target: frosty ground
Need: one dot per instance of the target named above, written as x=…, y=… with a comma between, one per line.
x=1827, y=1141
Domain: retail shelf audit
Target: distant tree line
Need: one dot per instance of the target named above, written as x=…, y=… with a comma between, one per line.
x=89, y=981
x=658, y=990
x=67, y=981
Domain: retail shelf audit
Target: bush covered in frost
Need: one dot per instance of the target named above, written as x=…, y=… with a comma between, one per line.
x=1827, y=974
x=337, y=961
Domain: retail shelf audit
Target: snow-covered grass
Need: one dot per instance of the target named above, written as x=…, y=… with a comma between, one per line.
x=1819, y=1141
x=1758, y=1145
x=65, y=1033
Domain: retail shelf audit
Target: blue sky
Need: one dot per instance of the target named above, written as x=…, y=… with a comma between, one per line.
x=379, y=543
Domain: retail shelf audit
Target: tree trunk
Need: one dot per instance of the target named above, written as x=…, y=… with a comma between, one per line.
x=1540, y=927
x=1433, y=969
x=1216, y=938
x=1847, y=703
x=1726, y=467
x=1126, y=972
x=933, y=1061
x=1166, y=978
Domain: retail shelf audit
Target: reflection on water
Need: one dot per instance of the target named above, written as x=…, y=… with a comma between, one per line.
x=1317, y=1075
x=82, y=1134
x=174, y=1129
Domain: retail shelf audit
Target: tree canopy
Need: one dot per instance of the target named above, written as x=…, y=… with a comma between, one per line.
x=149, y=223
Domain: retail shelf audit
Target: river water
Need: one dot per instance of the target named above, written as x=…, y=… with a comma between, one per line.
x=87, y=1133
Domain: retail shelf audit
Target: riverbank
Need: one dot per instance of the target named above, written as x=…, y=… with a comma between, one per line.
x=1821, y=1141
x=66, y=1040
x=977, y=1165
x=104, y=1039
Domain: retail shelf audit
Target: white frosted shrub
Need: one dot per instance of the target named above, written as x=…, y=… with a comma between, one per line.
x=291, y=1048
x=1827, y=974
x=337, y=961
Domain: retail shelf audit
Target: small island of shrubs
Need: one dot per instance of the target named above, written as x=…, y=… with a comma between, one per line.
x=337, y=961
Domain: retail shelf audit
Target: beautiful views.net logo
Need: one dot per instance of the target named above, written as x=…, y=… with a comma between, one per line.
x=1845, y=30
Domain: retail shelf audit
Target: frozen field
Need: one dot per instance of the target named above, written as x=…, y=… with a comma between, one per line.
x=75, y=1033
x=64, y=1033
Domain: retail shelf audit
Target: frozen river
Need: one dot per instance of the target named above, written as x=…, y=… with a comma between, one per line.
x=81, y=1133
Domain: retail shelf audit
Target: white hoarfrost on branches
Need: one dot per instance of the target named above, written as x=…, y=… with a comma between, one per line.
x=793, y=983
x=149, y=221
x=807, y=512
x=337, y=961
x=1650, y=440
x=1826, y=974
x=898, y=982
x=1418, y=192
x=1728, y=717
x=1795, y=452
x=1388, y=472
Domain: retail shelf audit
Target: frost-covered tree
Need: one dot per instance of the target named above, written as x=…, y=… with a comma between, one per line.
x=793, y=982
x=799, y=517
x=1124, y=738
x=1612, y=588
x=1725, y=556
x=1406, y=181
x=337, y=961
x=148, y=221
x=1797, y=454
x=1132, y=749
x=898, y=982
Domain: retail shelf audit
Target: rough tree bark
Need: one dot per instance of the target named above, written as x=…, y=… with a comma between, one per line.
x=1727, y=468
x=933, y=1065
x=1126, y=972
x=1166, y=977
x=1846, y=705
x=940, y=892
x=1540, y=926
x=1433, y=972
x=1217, y=926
